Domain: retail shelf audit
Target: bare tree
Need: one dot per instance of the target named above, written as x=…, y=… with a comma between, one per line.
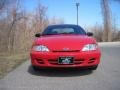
x=18, y=26
x=56, y=20
x=40, y=17
x=107, y=33
x=98, y=32
x=2, y=4
x=16, y=15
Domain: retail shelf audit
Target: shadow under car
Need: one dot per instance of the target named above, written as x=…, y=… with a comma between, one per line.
x=59, y=72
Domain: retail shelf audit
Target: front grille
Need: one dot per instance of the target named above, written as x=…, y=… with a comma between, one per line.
x=76, y=61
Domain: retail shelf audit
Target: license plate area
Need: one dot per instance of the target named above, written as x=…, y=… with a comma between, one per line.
x=65, y=60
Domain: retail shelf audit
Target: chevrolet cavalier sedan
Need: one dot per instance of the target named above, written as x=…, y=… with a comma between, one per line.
x=65, y=46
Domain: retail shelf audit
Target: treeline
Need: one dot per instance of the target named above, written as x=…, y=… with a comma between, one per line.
x=98, y=32
x=109, y=31
x=18, y=26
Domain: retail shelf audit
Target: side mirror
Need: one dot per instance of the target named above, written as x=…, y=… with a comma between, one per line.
x=89, y=33
x=37, y=35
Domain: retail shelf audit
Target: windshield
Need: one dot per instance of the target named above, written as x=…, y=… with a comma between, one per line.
x=65, y=29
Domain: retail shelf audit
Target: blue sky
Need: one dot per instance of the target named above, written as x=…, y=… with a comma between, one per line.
x=89, y=10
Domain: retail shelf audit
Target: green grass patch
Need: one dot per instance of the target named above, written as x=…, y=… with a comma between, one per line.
x=10, y=62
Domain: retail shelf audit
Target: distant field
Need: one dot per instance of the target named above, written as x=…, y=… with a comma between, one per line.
x=10, y=62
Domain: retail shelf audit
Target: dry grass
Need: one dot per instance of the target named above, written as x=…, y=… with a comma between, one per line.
x=10, y=62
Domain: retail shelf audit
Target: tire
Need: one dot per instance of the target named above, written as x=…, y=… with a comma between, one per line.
x=93, y=67
x=35, y=68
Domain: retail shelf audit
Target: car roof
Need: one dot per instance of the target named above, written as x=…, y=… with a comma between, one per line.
x=64, y=25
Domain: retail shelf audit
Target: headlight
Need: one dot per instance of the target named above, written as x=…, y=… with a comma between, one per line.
x=41, y=48
x=90, y=47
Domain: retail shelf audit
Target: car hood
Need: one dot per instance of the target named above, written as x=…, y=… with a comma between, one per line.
x=64, y=42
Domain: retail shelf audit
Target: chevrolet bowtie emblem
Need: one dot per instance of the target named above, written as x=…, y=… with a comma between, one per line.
x=65, y=49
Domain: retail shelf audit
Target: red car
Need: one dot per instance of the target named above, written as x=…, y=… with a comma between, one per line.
x=65, y=46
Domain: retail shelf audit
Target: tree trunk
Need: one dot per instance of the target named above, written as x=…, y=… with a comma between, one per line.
x=107, y=33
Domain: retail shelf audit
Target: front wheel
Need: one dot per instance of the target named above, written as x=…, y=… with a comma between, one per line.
x=35, y=68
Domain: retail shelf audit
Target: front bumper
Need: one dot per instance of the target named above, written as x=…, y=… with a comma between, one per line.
x=50, y=59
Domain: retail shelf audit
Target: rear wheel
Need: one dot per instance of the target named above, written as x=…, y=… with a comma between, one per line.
x=93, y=67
